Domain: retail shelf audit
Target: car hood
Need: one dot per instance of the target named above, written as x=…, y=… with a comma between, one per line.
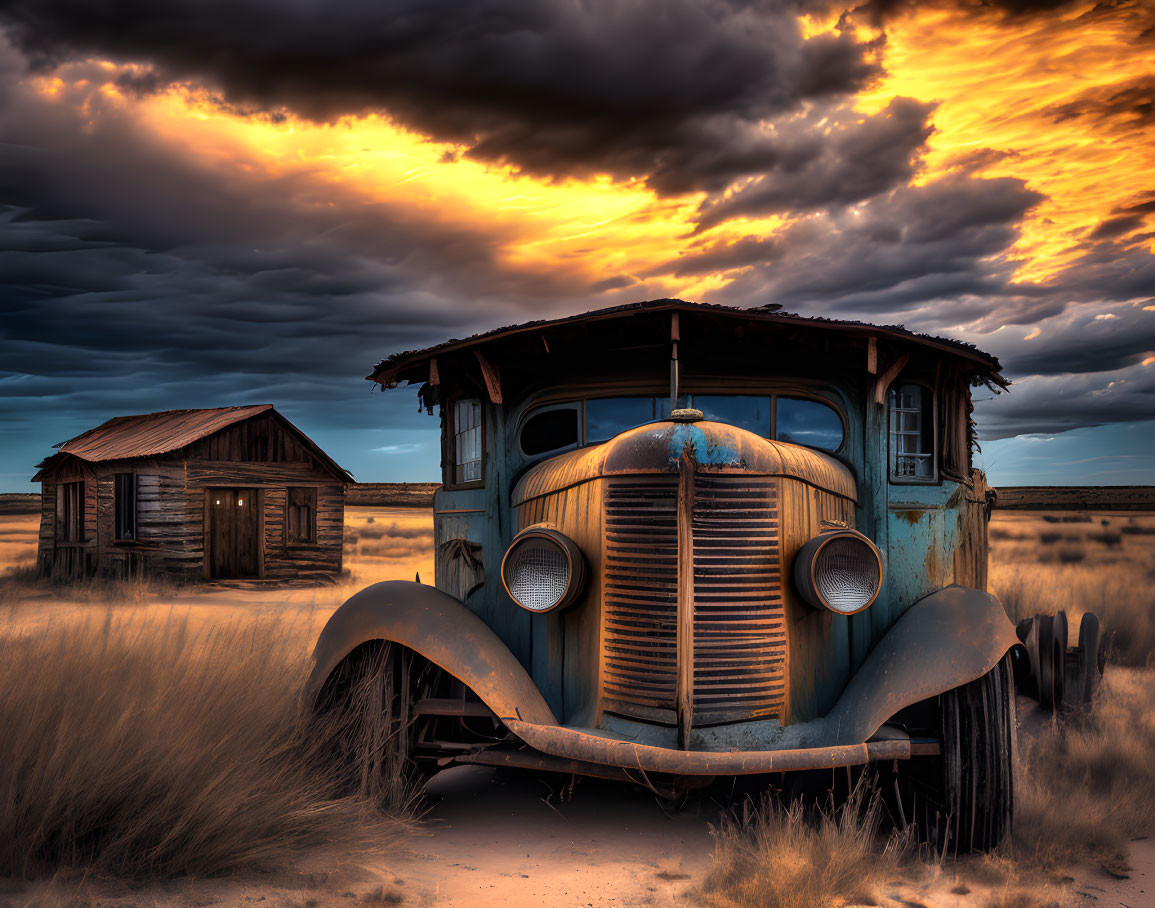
x=658, y=447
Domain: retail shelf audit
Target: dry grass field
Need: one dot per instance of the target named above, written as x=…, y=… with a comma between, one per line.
x=151, y=734
x=1080, y=561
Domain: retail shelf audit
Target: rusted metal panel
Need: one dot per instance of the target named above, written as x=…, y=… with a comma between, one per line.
x=944, y=640
x=577, y=744
x=443, y=631
x=155, y=434
x=657, y=448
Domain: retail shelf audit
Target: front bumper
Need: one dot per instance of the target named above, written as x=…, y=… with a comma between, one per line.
x=591, y=747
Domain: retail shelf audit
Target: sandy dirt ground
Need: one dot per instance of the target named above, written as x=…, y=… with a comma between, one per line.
x=489, y=837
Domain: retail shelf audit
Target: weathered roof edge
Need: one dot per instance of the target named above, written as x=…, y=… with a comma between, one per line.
x=243, y=413
x=991, y=368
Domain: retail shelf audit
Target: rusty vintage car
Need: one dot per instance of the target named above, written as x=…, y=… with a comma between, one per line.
x=677, y=542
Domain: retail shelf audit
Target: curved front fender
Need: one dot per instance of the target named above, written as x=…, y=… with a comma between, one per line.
x=943, y=641
x=442, y=630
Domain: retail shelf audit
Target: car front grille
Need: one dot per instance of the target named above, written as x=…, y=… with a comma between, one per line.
x=739, y=627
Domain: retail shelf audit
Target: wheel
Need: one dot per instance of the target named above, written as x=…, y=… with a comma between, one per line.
x=963, y=800
x=979, y=743
x=1052, y=667
x=365, y=710
x=1089, y=645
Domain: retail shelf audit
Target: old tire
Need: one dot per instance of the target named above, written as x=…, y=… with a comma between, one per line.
x=979, y=738
x=365, y=708
x=963, y=800
x=1090, y=639
x=1052, y=668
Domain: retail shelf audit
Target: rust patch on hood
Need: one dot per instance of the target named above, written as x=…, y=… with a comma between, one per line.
x=657, y=448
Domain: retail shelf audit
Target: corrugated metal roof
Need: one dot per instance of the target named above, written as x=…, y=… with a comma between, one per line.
x=149, y=434
x=988, y=366
x=152, y=434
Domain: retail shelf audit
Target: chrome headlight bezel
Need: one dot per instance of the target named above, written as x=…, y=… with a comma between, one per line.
x=546, y=540
x=810, y=575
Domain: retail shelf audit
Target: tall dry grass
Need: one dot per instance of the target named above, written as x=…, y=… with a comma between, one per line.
x=151, y=750
x=776, y=855
x=1085, y=786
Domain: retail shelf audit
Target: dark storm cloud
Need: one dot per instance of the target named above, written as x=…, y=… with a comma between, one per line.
x=889, y=254
x=1082, y=339
x=880, y=11
x=831, y=158
x=669, y=90
x=1056, y=403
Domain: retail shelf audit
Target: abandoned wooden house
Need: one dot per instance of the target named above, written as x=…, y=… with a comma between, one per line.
x=227, y=493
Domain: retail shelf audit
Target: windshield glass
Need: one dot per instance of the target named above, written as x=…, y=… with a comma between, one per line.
x=746, y=411
x=808, y=422
x=610, y=416
x=797, y=420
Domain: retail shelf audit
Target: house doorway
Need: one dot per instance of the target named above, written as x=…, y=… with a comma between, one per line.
x=232, y=533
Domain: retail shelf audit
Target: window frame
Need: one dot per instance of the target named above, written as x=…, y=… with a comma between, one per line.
x=133, y=508
x=449, y=448
x=71, y=530
x=793, y=395
x=891, y=455
x=290, y=539
x=577, y=407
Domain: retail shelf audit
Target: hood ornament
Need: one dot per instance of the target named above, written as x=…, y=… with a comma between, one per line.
x=686, y=415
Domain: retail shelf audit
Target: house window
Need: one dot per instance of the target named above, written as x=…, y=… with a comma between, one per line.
x=72, y=512
x=467, y=441
x=124, y=505
x=302, y=516
x=911, y=434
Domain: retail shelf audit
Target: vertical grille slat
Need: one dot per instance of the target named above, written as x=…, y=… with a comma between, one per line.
x=641, y=575
x=739, y=622
x=737, y=599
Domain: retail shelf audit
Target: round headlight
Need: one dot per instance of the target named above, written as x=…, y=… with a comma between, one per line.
x=840, y=570
x=543, y=569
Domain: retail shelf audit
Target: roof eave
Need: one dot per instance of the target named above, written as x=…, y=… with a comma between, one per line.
x=388, y=371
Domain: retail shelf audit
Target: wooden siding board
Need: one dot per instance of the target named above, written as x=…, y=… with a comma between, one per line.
x=171, y=518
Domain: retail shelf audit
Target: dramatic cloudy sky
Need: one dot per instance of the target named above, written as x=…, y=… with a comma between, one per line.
x=211, y=202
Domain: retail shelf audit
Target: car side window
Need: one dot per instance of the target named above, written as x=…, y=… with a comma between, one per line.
x=553, y=429
x=467, y=441
x=911, y=419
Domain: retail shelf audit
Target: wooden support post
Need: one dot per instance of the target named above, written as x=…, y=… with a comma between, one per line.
x=675, y=378
x=434, y=376
x=491, y=376
x=685, y=630
x=883, y=382
x=872, y=355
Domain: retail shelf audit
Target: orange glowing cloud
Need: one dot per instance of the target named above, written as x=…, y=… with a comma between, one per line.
x=1015, y=98
x=1026, y=89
